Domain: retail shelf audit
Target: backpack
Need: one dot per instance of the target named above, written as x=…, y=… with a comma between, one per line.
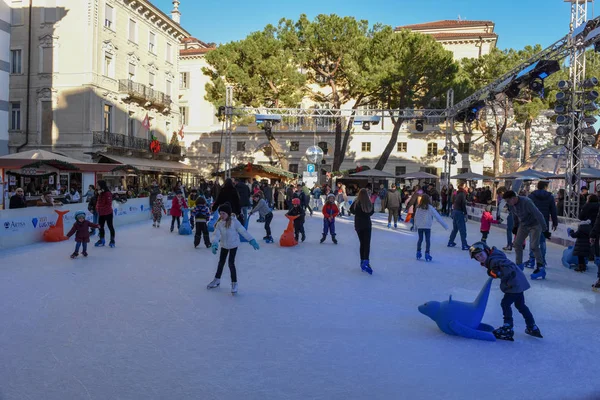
x=382, y=193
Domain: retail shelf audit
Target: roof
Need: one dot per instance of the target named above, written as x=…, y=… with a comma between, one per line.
x=167, y=18
x=151, y=165
x=463, y=35
x=194, y=40
x=18, y=160
x=195, y=52
x=258, y=168
x=448, y=23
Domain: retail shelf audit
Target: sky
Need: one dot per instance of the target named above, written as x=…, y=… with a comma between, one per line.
x=518, y=22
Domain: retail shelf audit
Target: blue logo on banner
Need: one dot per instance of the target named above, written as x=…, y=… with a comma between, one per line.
x=6, y=225
x=34, y=222
x=142, y=207
x=116, y=210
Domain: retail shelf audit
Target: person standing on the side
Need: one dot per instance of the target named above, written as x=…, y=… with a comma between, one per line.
x=528, y=221
x=244, y=193
x=393, y=204
x=105, y=213
x=544, y=201
x=228, y=194
x=362, y=208
x=17, y=200
x=459, y=217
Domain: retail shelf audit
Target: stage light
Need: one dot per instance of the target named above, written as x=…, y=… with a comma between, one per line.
x=419, y=125
x=590, y=83
x=563, y=120
x=562, y=131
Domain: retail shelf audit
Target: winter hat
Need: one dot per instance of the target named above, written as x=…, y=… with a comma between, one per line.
x=488, y=208
x=178, y=192
x=330, y=195
x=159, y=196
x=226, y=208
x=78, y=213
x=296, y=201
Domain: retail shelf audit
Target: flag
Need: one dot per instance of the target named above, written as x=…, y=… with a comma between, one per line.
x=146, y=123
x=181, y=132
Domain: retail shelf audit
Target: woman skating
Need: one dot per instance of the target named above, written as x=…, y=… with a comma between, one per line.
x=362, y=208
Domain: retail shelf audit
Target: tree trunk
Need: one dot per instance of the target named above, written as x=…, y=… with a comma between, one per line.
x=527, y=149
x=338, y=156
x=390, y=146
x=345, y=140
x=497, y=146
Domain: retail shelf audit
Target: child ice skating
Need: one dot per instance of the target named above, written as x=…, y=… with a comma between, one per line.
x=157, y=208
x=177, y=207
x=330, y=211
x=298, y=210
x=424, y=215
x=362, y=208
x=513, y=284
x=486, y=223
x=81, y=230
x=202, y=214
x=227, y=232
x=264, y=214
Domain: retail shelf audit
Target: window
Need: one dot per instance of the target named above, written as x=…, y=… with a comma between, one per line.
x=463, y=147
x=294, y=146
x=184, y=115
x=108, y=65
x=109, y=16
x=184, y=80
x=169, y=55
x=293, y=168
x=462, y=170
x=429, y=170
x=400, y=170
x=168, y=129
x=241, y=146
x=432, y=149
x=168, y=88
x=152, y=43
x=268, y=151
x=46, y=60
x=132, y=31
x=107, y=118
x=50, y=12
x=324, y=147
x=151, y=79
x=131, y=73
x=16, y=15
x=365, y=146
x=15, y=116
x=402, y=147
x=15, y=61
x=131, y=126
x=216, y=147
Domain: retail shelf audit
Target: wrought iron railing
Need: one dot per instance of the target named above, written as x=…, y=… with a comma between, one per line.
x=140, y=91
x=133, y=143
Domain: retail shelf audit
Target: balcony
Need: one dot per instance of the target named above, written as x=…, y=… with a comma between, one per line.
x=146, y=94
x=117, y=140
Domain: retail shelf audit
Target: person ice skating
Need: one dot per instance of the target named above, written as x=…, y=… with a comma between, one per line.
x=342, y=198
x=158, y=207
x=424, y=215
x=528, y=220
x=227, y=231
x=177, y=207
x=544, y=201
x=583, y=245
x=486, y=223
x=393, y=202
x=202, y=214
x=105, y=213
x=513, y=284
x=362, y=208
x=298, y=210
x=81, y=230
x=264, y=213
x=191, y=202
x=459, y=217
x=330, y=211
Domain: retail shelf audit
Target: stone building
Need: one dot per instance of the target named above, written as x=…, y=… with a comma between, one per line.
x=6, y=66
x=100, y=80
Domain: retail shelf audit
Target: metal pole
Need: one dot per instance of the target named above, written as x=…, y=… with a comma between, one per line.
x=228, y=128
x=449, y=129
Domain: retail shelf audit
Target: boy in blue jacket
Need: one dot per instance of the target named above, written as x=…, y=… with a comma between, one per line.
x=202, y=214
x=513, y=284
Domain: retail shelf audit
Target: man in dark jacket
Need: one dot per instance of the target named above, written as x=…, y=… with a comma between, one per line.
x=459, y=217
x=17, y=200
x=244, y=193
x=544, y=201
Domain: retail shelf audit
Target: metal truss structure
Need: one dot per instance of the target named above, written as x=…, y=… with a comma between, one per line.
x=449, y=130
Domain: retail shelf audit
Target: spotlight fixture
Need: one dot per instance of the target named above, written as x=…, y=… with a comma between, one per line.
x=419, y=125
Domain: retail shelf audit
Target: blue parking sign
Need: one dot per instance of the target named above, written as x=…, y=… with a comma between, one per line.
x=310, y=168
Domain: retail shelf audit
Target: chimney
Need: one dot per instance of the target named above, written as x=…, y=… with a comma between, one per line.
x=176, y=14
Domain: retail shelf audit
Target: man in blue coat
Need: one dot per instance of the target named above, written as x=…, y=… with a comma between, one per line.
x=544, y=201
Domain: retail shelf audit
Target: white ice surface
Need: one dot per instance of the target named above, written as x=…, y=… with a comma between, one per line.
x=137, y=322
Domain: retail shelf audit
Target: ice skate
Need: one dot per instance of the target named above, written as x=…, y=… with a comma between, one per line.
x=596, y=286
x=303, y=238
x=395, y=226
x=389, y=226
x=419, y=255
x=364, y=265
x=539, y=272
x=154, y=225
x=100, y=243
x=74, y=255
x=112, y=244
x=451, y=244
x=530, y=263
x=466, y=247
x=323, y=239
x=507, y=248
x=85, y=254
x=265, y=238
x=581, y=268
x=428, y=257
x=333, y=239
x=214, y=284
x=269, y=239
x=505, y=332
x=234, y=287
x=158, y=225
x=534, y=331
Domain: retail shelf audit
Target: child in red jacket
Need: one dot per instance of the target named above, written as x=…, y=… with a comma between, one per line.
x=81, y=229
x=177, y=207
x=330, y=211
x=486, y=223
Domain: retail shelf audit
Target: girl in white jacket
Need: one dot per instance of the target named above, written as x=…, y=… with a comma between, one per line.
x=227, y=231
x=424, y=215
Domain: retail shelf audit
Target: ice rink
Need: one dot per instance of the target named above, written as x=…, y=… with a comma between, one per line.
x=137, y=322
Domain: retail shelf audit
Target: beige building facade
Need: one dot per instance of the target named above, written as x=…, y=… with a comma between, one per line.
x=97, y=70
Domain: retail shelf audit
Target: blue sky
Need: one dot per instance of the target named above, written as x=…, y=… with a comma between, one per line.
x=518, y=22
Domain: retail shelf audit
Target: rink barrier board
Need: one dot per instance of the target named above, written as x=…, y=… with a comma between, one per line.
x=24, y=226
